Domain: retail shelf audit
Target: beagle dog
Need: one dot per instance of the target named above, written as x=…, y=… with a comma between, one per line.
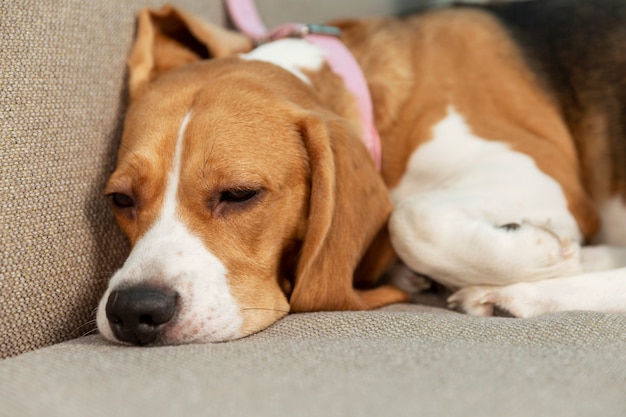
x=246, y=192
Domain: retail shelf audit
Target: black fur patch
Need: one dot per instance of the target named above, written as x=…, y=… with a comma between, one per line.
x=578, y=49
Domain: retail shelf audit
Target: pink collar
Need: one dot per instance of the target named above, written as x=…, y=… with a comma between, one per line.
x=246, y=18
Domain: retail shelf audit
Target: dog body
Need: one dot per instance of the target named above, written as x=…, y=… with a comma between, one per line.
x=246, y=193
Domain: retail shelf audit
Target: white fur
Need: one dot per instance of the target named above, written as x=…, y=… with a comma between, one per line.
x=603, y=291
x=293, y=55
x=458, y=190
x=169, y=254
x=602, y=258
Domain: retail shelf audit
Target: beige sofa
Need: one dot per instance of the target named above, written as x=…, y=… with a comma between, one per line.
x=61, y=104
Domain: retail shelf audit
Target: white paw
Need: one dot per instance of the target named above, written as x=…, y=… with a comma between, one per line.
x=464, y=252
x=402, y=277
x=520, y=300
x=603, y=258
x=541, y=249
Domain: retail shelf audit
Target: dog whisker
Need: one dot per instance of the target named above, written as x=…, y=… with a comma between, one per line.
x=90, y=332
x=90, y=323
x=265, y=309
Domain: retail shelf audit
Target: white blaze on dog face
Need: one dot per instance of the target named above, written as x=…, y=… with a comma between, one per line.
x=170, y=256
x=218, y=215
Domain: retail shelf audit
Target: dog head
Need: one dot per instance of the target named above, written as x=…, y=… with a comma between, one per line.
x=242, y=196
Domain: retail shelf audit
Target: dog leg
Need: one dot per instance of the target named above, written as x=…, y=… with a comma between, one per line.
x=445, y=238
x=601, y=258
x=602, y=291
x=400, y=276
x=382, y=296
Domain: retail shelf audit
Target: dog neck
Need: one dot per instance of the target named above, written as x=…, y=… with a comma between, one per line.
x=336, y=55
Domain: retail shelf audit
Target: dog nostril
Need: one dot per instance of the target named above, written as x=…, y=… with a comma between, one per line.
x=139, y=314
x=144, y=319
x=156, y=319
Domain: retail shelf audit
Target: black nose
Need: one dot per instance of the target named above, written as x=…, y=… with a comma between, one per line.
x=138, y=315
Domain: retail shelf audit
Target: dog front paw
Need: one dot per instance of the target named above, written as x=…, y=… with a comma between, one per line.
x=540, y=250
x=402, y=277
x=519, y=300
x=475, y=300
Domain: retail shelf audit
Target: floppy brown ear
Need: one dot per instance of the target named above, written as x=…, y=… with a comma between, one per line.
x=349, y=206
x=168, y=38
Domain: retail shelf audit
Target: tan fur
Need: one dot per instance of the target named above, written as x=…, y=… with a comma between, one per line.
x=318, y=227
x=592, y=132
x=465, y=58
x=169, y=38
x=339, y=231
x=307, y=202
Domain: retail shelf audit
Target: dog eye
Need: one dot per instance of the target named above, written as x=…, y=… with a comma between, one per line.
x=237, y=196
x=122, y=200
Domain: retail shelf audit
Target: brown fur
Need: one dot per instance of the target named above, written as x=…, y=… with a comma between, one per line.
x=466, y=57
x=318, y=226
x=316, y=182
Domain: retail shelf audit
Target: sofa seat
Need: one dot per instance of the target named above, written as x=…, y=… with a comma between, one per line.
x=403, y=360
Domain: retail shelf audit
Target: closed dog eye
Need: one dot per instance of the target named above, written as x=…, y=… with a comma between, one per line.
x=231, y=200
x=120, y=200
x=237, y=195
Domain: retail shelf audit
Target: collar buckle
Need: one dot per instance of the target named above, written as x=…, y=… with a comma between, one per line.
x=300, y=30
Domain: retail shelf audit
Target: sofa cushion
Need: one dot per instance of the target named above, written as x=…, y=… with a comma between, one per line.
x=404, y=360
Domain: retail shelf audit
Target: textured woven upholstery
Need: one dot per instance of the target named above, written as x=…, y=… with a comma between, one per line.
x=61, y=105
x=403, y=361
